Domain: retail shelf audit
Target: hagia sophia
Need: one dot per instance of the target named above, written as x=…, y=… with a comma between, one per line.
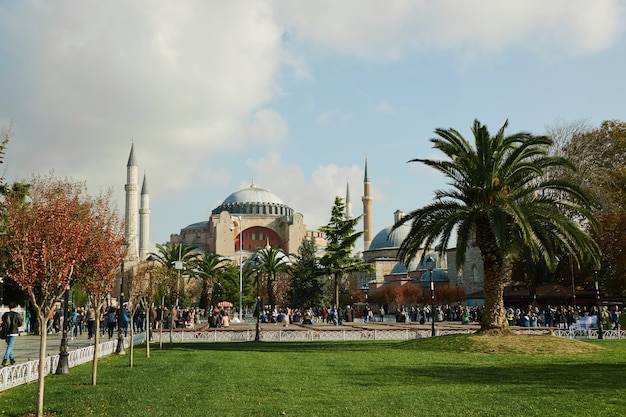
x=261, y=218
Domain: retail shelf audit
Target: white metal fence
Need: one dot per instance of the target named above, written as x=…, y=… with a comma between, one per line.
x=18, y=374
x=23, y=373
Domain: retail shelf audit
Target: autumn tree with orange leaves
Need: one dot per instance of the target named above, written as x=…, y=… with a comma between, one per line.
x=47, y=238
x=98, y=266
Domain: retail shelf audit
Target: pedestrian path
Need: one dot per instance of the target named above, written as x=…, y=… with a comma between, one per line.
x=27, y=345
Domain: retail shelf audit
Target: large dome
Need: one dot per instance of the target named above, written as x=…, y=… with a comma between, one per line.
x=254, y=200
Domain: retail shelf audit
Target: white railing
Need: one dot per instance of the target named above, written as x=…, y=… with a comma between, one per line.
x=14, y=375
x=23, y=373
x=590, y=334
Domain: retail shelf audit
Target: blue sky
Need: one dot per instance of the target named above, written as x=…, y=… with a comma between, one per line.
x=292, y=94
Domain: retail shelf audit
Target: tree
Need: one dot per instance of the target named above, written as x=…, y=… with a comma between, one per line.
x=168, y=257
x=308, y=283
x=501, y=199
x=16, y=192
x=208, y=268
x=599, y=155
x=47, y=238
x=338, y=261
x=96, y=270
x=271, y=262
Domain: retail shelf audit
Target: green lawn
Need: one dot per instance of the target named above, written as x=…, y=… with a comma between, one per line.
x=444, y=376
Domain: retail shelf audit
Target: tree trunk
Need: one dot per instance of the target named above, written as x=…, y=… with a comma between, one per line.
x=494, y=315
x=43, y=336
x=96, y=344
x=270, y=291
x=148, y=329
x=132, y=338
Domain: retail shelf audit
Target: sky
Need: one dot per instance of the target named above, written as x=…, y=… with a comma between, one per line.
x=293, y=95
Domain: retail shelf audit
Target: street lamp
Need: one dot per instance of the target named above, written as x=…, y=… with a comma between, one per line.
x=600, y=314
x=240, y=264
x=571, y=265
x=258, y=309
x=63, y=366
x=430, y=265
x=120, y=336
x=3, y=270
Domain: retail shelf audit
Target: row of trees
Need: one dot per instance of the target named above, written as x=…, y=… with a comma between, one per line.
x=57, y=236
x=518, y=198
x=539, y=208
x=304, y=279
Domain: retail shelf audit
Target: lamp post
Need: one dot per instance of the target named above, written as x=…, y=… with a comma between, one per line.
x=430, y=264
x=2, y=273
x=258, y=309
x=571, y=265
x=238, y=218
x=598, y=307
x=63, y=366
x=259, y=306
x=120, y=320
x=178, y=266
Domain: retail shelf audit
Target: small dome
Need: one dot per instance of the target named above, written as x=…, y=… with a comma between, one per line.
x=400, y=268
x=439, y=275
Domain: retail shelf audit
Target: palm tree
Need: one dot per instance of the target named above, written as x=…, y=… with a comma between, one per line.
x=207, y=268
x=168, y=256
x=504, y=199
x=270, y=262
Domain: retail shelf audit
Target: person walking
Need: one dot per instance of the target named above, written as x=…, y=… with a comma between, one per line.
x=111, y=320
x=11, y=321
x=91, y=322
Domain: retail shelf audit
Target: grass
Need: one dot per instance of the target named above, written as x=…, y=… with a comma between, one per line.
x=444, y=376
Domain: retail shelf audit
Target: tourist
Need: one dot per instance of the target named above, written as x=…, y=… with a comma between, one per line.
x=11, y=321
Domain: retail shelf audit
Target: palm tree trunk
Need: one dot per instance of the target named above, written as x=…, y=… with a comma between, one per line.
x=494, y=314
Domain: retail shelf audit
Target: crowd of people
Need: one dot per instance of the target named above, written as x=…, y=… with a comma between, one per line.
x=563, y=316
x=82, y=319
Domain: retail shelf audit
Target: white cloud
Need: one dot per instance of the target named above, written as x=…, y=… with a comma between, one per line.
x=314, y=196
x=195, y=84
x=390, y=29
x=385, y=107
x=268, y=127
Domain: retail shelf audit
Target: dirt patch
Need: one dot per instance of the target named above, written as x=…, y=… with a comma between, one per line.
x=529, y=344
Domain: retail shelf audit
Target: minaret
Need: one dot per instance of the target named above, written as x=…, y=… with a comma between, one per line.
x=144, y=221
x=348, y=202
x=367, y=210
x=132, y=207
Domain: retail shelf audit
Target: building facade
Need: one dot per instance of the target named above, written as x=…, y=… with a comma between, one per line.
x=249, y=220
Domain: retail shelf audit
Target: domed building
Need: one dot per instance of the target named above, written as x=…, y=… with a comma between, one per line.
x=389, y=270
x=256, y=215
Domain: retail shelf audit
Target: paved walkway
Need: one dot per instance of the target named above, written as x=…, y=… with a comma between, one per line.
x=27, y=345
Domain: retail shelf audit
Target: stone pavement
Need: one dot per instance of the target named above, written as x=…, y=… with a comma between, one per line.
x=27, y=345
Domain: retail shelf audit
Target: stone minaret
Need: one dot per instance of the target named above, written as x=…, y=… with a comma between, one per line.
x=144, y=221
x=132, y=207
x=348, y=203
x=367, y=210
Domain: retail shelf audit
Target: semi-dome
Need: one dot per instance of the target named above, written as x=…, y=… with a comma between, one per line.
x=254, y=200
